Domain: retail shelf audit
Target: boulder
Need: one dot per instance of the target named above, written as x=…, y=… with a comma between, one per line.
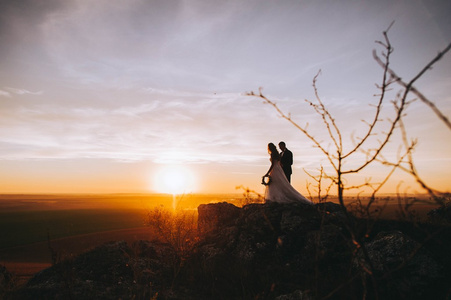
x=404, y=269
x=215, y=215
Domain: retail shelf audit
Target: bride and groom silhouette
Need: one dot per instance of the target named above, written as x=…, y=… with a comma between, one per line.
x=278, y=186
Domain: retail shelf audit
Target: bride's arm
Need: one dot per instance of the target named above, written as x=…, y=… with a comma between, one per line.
x=270, y=168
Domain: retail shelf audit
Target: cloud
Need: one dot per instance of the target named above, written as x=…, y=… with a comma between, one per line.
x=23, y=91
x=202, y=126
x=9, y=91
x=5, y=94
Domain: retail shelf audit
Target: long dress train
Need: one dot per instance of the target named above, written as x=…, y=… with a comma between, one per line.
x=280, y=190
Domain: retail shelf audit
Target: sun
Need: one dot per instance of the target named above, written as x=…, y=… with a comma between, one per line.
x=175, y=179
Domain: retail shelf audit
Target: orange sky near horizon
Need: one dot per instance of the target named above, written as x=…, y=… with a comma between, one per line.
x=121, y=98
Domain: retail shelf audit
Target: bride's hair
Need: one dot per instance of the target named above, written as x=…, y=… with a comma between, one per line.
x=272, y=149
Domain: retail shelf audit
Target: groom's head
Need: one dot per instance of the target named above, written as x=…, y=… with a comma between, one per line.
x=282, y=146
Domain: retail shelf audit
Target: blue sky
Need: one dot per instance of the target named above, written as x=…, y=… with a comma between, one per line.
x=96, y=91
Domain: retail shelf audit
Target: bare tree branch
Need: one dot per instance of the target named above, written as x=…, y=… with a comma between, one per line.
x=409, y=86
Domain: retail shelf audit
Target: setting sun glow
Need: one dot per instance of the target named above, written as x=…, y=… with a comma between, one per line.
x=174, y=180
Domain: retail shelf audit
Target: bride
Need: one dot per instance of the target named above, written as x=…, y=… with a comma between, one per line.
x=278, y=189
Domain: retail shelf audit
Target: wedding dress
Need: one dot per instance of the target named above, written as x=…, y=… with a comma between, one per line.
x=280, y=190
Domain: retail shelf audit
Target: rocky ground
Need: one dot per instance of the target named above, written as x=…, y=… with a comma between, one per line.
x=260, y=251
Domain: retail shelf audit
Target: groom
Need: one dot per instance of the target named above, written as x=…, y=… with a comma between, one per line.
x=286, y=160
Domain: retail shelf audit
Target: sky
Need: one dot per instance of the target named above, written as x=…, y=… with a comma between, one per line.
x=115, y=96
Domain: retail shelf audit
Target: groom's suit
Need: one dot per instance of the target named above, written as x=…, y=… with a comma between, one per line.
x=286, y=160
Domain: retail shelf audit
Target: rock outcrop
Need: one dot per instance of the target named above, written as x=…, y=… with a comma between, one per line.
x=260, y=251
x=6, y=281
x=114, y=270
x=282, y=250
x=404, y=268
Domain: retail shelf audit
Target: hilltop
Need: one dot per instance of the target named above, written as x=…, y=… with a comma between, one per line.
x=261, y=251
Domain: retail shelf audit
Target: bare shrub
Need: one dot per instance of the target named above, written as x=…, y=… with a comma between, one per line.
x=249, y=197
x=176, y=227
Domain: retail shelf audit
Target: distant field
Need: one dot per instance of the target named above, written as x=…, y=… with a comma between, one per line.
x=81, y=201
x=25, y=227
x=105, y=201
